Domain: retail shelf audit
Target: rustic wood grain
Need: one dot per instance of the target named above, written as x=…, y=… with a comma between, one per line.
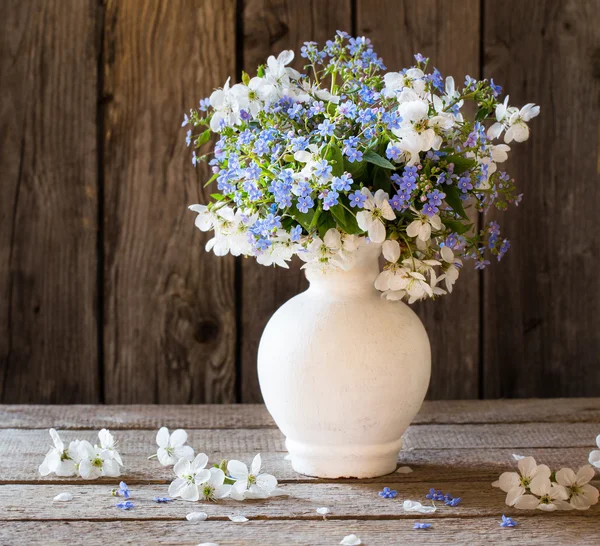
x=224, y=416
x=540, y=308
x=434, y=452
x=480, y=531
x=448, y=32
x=48, y=209
x=270, y=26
x=429, y=465
x=169, y=329
x=298, y=501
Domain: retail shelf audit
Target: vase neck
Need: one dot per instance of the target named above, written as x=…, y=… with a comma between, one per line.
x=358, y=279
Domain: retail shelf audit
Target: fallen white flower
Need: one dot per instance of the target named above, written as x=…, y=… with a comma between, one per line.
x=238, y=519
x=582, y=495
x=171, y=447
x=58, y=459
x=351, y=540
x=250, y=483
x=415, y=506
x=404, y=470
x=515, y=484
x=323, y=511
x=196, y=516
x=64, y=497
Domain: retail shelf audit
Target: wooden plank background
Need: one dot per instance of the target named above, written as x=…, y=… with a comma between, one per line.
x=107, y=293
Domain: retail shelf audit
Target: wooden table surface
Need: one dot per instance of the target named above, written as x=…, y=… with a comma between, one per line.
x=459, y=447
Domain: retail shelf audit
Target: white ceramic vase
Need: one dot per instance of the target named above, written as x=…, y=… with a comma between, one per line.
x=343, y=372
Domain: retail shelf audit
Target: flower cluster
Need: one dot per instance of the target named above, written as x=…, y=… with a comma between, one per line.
x=536, y=486
x=194, y=481
x=446, y=498
x=319, y=164
x=83, y=459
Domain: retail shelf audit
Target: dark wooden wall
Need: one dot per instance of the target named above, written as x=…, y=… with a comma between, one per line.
x=106, y=292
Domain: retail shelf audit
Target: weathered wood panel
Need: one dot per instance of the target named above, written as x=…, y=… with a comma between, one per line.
x=298, y=501
x=169, y=328
x=481, y=531
x=48, y=209
x=270, y=26
x=428, y=449
x=400, y=29
x=542, y=301
x=223, y=416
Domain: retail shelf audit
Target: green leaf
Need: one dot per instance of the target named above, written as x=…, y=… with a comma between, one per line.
x=381, y=180
x=356, y=169
x=217, y=196
x=203, y=138
x=461, y=163
x=346, y=221
x=457, y=226
x=376, y=159
x=325, y=223
x=245, y=78
x=211, y=179
x=334, y=155
x=454, y=200
x=304, y=219
x=261, y=71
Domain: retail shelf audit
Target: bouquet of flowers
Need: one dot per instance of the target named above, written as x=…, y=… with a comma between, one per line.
x=318, y=165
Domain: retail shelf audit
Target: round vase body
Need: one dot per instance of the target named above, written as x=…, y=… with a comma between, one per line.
x=343, y=372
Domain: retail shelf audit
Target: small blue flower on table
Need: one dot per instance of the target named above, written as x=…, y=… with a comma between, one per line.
x=123, y=491
x=162, y=500
x=126, y=505
x=507, y=522
x=388, y=493
x=419, y=525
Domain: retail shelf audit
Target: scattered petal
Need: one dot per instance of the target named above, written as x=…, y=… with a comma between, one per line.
x=208, y=544
x=419, y=525
x=64, y=497
x=323, y=511
x=351, y=540
x=196, y=516
x=518, y=457
x=238, y=519
x=404, y=470
x=127, y=505
x=415, y=506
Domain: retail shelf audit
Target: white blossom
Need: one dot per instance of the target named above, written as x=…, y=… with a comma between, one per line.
x=58, y=460
x=250, y=483
x=582, y=495
x=171, y=447
x=190, y=475
x=516, y=484
x=95, y=461
x=545, y=496
x=376, y=208
x=214, y=488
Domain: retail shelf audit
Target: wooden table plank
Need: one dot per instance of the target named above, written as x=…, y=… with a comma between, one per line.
x=531, y=530
x=345, y=500
x=225, y=416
